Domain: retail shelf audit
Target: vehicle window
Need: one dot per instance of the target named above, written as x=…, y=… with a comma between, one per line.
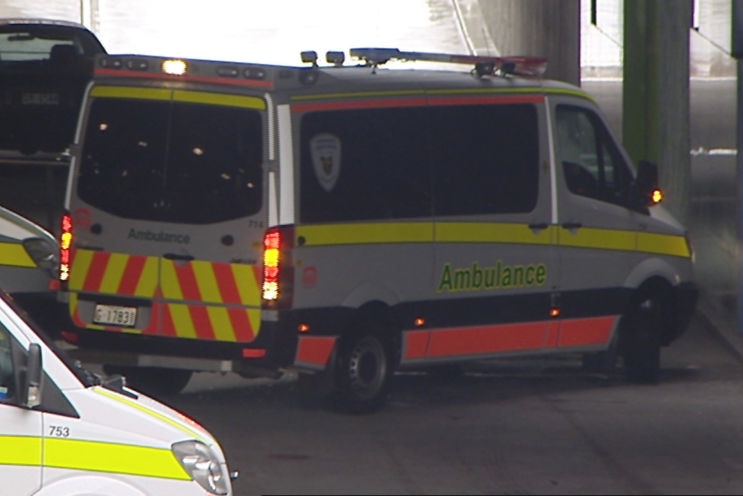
x=7, y=376
x=364, y=164
x=36, y=42
x=173, y=162
x=43, y=73
x=591, y=162
x=486, y=159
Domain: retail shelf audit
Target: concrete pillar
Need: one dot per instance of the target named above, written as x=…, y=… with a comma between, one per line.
x=547, y=28
x=655, y=97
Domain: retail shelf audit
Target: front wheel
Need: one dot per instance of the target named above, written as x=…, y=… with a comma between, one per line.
x=649, y=313
x=363, y=373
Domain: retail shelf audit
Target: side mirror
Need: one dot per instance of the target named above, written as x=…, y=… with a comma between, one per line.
x=645, y=191
x=32, y=380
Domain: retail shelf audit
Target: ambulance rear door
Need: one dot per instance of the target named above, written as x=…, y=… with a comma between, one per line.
x=495, y=259
x=167, y=213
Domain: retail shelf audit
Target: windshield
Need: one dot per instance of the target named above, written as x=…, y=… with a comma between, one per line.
x=181, y=162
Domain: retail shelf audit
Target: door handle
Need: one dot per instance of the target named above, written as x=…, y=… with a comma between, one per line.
x=572, y=225
x=178, y=256
x=538, y=226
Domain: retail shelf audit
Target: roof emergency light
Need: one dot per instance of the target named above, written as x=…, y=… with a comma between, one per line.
x=483, y=64
x=174, y=67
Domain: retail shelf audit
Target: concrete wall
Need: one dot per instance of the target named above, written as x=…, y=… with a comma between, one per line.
x=548, y=28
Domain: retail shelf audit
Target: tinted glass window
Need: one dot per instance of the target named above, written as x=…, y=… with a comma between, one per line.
x=174, y=162
x=486, y=159
x=591, y=161
x=44, y=70
x=364, y=164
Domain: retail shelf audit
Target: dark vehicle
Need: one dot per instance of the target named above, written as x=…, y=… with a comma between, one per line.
x=44, y=68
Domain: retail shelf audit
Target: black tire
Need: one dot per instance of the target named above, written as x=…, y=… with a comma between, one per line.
x=153, y=381
x=642, y=330
x=363, y=373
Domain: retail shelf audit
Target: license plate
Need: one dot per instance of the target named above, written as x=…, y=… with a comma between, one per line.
x=115, y=315
x=40, y=99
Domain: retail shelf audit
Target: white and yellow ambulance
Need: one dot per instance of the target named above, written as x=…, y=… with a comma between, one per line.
x=64, y=431
x=350, y=220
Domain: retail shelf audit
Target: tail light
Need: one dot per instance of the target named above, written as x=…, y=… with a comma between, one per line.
x=65, y=244
x=277, y=268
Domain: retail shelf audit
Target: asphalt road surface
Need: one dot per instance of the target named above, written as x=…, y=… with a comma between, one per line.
x=504, y=427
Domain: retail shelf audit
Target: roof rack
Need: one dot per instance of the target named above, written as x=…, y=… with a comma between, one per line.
x=483, y=65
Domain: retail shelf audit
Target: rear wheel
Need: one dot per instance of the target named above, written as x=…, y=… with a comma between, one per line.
x=363, y=372
x=648, y=314
x=153, y=381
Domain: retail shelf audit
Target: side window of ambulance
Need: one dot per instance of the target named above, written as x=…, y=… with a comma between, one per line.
x=7, y=376
x=364, y=164
x=486, y=159
x=590, y=160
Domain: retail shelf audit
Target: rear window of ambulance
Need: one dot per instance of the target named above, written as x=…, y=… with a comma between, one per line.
x=172, y=162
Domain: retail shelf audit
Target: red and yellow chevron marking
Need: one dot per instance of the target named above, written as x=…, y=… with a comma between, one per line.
x=196, y=300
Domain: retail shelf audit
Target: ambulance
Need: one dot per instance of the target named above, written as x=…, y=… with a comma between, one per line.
x=66, y=431
x=348, y=220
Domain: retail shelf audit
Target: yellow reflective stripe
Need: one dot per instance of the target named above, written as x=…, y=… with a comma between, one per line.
x=603, y=239
x=221, y=323
x=16, y=255
x=491, y=232
x=182, y=321
x=663, y=244
x=131, y=92
x=349, y=234
x=20, y=450
x=82, y=261
x=113, y=273
x=113, y=458
x=250, y=102
x=206, y=281
x=180, y=425
x=247, y=284
x=169, y=284
x=149, y=278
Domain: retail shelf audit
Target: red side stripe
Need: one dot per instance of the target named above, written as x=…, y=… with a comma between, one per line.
x=485, y=99
x=314, y=351
x=359, y=104
x=594, y=330
x=487, y=339
x=416, y=344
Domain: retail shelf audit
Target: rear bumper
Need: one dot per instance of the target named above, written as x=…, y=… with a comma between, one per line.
x=270, y=351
